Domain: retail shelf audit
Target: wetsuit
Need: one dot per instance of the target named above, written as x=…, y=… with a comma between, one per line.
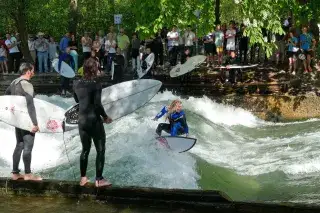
x=25, y=139
x=67, y=58
x=177, y=123
x=88, y=95
x=119, y=62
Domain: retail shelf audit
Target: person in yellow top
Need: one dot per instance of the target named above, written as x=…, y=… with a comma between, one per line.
x=123, y=43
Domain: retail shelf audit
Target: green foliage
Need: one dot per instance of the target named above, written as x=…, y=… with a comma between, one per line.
x=147, y=17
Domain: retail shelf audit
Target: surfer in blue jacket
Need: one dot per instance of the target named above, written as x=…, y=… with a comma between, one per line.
x=68, y=59
x=177, y=120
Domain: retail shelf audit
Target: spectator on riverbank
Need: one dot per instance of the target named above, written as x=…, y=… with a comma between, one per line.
x=42, y=47
x=14, y=53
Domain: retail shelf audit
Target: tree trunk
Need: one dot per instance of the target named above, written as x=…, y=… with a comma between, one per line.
x=217, y=12
x=21, y=24
x=73, y=16
x=112, y=6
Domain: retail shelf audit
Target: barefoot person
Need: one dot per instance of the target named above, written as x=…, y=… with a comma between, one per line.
x=87, y=92
x=25, y=139
x=177, y=120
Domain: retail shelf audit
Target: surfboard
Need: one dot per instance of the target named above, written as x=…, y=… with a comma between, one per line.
x=112, y=70
x=14, y=111
x=66, y=70
x=149, y=60
x=235, y=66
x=176, y=143
x=119, y=100
x=75, y=57
x=188, y=66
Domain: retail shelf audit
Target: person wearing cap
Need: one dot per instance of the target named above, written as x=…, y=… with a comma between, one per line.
x=42, y=46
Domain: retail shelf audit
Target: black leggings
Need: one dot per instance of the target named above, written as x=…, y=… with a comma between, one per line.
x=167, y=128
x=25, y=141
x=65, y=83
x=88, y=130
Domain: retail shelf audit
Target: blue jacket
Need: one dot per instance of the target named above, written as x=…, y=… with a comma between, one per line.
x=178, y=121
x=66, y=58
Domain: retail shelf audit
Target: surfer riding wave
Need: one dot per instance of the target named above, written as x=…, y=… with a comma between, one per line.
x=177, y=120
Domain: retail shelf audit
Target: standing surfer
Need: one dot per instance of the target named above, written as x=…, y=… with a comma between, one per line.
x=177, y=120
x=25, y=139
x=87, y=92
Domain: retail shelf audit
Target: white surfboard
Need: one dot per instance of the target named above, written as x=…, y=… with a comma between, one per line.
x=112, y=70
x=14, y=111
x=188, y=66
x=177, y=143
x=149, y=60
x=235, y=66
x=119, y=100
x=66, y=70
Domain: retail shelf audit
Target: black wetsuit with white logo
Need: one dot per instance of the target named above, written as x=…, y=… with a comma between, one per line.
x=88, y=95
x=25, y=139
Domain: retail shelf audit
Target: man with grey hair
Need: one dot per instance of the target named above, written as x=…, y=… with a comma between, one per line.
x=25, y=139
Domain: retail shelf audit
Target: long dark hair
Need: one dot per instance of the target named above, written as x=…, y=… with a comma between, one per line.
x=90, y=69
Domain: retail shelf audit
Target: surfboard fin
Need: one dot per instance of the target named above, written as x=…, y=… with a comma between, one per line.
x=63, y=126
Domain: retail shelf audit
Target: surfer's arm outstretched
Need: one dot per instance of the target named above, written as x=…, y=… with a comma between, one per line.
x=29, y=94
x=163, y=111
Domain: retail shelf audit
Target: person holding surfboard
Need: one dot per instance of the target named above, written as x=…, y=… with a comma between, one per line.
x=68, y=59
x=177, y=120
x=87, y=92
x=25, y=139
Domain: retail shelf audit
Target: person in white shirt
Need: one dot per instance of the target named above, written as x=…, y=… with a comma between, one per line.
x=189, y=38
x=86, y=43
x=14, y=53
x=173, y=45
x=42, y=46
x=110, y=50
x=231, y=39
x=52, y=51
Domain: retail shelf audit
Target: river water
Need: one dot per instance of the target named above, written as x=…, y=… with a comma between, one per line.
x=237, y=153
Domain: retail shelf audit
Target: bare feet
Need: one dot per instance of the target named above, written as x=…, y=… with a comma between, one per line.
x=84, y=181
x=32, y=177
x=103, y=183
x=17, y=176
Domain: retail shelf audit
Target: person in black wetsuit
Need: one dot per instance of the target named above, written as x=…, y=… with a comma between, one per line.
x=119, y=62
x=25, y=139
x=65, y=82
x=87, y=92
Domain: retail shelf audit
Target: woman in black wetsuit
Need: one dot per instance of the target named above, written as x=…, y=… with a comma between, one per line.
x=87, y=92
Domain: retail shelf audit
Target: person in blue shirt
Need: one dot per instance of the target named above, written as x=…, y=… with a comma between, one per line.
x=307, y=44
x=67, y=58
x=177, y=120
